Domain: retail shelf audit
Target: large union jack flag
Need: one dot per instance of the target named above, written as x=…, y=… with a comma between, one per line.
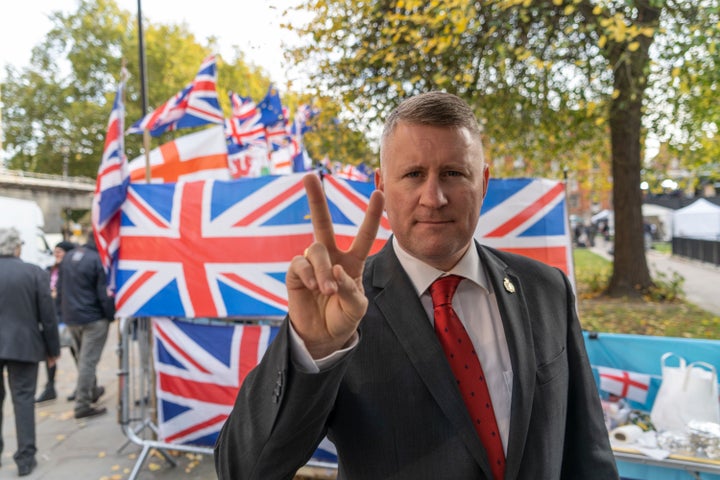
x=199, y=370
x=218, y=249
x=211, y=248
x=527, y=216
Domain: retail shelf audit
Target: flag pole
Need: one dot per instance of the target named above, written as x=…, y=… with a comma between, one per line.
x=143, y=89
x=143, y=66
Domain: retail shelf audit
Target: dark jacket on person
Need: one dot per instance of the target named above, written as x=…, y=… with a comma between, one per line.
x=82, y=287
x=28, y=327
x=392, y=406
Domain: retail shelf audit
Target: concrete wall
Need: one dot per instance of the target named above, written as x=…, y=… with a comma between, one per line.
x=53, y=193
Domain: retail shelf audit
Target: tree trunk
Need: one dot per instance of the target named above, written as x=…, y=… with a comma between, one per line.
x=631, y=275
x=630, y=271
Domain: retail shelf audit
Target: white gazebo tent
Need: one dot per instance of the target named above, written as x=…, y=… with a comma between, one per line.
x=660, y=216
x=700, y=219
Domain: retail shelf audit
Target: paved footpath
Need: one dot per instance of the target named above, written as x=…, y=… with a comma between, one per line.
x=701, y=280
x=97, y=448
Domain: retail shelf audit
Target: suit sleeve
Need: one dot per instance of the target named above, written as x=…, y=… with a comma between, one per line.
x=587, y=453
x=279, y=417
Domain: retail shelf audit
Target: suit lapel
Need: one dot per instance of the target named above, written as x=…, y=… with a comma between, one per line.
x=399, y=304
x=518, y=332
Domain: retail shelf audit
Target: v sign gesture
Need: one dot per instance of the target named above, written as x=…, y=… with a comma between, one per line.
x=326, y=300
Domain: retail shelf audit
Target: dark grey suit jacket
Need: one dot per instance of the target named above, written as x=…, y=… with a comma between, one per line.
x=393, y=409
x=28, y=327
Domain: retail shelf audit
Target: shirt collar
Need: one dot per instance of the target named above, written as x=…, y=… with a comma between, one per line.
x=422, y=275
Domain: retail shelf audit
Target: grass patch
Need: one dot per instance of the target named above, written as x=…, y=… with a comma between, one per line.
x=650, y=316
x=663, y=247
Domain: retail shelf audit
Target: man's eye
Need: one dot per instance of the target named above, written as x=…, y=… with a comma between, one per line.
x=412, y=174
x=453, y=173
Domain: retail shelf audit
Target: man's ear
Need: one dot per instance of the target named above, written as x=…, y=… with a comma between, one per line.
x=378, y=180
x=486, y=179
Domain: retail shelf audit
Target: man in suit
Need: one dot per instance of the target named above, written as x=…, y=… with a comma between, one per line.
x=363, y=356
x=28, y=335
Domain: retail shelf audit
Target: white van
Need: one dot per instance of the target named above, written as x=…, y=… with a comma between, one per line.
x=27, y=217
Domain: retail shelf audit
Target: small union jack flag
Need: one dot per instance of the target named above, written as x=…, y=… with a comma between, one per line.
x=111, y=186
x=199, y=370
x=196, y=105
x=244, y=128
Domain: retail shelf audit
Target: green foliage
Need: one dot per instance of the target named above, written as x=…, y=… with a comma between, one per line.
x=666, y=288
x=55, y=111
x=662, y=312
x=592, y=274
x=558, y=83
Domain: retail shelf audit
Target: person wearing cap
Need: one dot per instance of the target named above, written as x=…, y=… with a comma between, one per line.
x=49, y=392
x=28, y=335
x=87, y=309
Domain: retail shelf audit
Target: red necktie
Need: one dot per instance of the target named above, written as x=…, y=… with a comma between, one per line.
x=468, y=372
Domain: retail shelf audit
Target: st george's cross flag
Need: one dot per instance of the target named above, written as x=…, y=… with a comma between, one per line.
x=625, y=384
x=195, y=105
x=111, y=187
x=198, y=155
x=199, y=370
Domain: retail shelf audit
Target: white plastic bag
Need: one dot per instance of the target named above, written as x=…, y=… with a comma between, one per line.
x=687, y=392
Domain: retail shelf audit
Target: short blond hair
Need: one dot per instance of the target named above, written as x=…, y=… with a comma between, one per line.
x=438, y=109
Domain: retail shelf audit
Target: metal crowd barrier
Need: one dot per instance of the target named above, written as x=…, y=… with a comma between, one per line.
x=704, y=250
x=137, y=402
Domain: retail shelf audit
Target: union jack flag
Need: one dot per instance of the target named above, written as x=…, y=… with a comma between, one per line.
x=216, y=249
x=111, y=186
x=301, y=160
x=199, y=370
x=196, y=105
x=527, y=216
x=211, y=248
x=244, y=128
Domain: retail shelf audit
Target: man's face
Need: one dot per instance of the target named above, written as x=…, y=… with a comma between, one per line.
x=59, y=254
x=434, y=180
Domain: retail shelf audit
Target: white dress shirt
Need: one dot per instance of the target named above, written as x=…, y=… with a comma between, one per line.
x=476, y=305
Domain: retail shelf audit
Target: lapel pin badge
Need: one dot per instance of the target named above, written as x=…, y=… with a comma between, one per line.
x=508, y=285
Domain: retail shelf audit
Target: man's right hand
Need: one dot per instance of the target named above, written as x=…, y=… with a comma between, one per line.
x=326, y=299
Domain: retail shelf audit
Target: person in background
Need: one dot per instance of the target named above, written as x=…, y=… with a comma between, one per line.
x=28, y=335
x=375, y=352
x=61, y=248
x=87, y=309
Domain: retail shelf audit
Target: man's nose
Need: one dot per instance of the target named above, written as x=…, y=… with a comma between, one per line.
x=433, y=194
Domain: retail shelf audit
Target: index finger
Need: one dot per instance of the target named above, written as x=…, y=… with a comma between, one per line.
x=367, y=233
x=319, y=212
